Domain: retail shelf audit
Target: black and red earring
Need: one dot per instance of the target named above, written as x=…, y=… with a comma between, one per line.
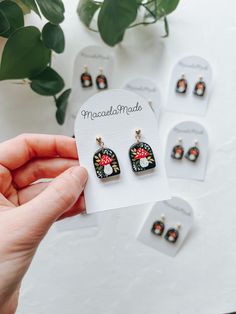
x=86, y=78
x=105, y=161
x=172, y=234
x=193, y=152
x=182, y=85
x=159, y=226
x=101, y=80
x=141, y=155
x=178, y=150
x=200, y=87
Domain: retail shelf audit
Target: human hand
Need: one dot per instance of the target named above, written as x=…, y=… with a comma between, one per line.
x=28, y=209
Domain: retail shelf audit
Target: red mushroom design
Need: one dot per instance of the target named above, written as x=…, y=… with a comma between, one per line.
x=141, y=156
x=86, y=79
x=193, y=154
x=106, y=163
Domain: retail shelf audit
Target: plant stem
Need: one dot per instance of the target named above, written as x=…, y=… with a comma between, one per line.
x=155, y=19
x=166, y=27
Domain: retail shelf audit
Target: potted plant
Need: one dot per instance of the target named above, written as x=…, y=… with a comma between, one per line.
x=111, y=18
x=27, y=53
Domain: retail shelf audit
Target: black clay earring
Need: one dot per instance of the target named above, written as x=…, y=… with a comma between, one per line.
x=105, y=161
x=172, y=234
x=200, y=87
x=101, y=80
x=178, y=150
x=193, y=152
x=159, y=226
x=86, y=78
x=182, y=85
x=141, y=155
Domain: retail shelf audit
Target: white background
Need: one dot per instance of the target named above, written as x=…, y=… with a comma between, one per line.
x=113, y=273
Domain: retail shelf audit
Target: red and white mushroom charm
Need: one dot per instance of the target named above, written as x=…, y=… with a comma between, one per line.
x=141, y=155
x=106, y=163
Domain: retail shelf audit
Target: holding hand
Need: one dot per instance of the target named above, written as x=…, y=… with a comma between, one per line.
x=28, y=209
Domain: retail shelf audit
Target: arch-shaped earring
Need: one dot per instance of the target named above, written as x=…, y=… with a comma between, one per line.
x=86, y=78
x=141, y=155
x=172, y=234
x=200, y=88
x=101, y=80
x=158, y=226
x=181, y=85
x=193, y=152
x=178, y=150
x=105, y=161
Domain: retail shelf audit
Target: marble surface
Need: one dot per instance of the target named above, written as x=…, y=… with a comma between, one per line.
x=101, y=267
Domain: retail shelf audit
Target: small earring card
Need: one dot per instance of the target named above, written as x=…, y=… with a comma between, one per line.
x=190, y=86
x=175, y=217
x=124, y=170
x=187, y=151
x=90, y=61
x=148, y=90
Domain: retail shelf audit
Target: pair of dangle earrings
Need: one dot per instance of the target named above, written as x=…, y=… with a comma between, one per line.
x=106, y=162
x=199, y=88
x=171, y=235
x=192, y=153
x=86, y=79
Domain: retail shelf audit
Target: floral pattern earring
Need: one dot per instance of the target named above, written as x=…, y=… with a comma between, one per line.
x=141, y=155
x=101, y=80
x=172, y=234
x=200, y=87
x=193, y=152
x=86, y=78
x=178, y=150
x=159, y=226
x=105, y=161
x=182, y=85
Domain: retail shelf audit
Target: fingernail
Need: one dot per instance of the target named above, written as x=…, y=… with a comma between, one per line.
x=81, y=174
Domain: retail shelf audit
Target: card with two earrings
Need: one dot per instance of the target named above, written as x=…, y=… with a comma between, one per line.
x=187, y=151
x=93, y=73
x=167, y=226
x=190, y=86
x=118, y=143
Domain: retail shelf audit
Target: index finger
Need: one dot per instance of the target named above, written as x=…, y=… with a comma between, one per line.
x=19, y=150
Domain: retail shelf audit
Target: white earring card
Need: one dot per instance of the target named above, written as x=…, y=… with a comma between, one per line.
x=188, y=135
x=148, y=90
x=184, y=95
x=114, y=116
x=94, y=58
x=174, y=215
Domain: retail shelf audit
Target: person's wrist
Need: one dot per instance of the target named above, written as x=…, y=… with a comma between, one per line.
x=9, y=305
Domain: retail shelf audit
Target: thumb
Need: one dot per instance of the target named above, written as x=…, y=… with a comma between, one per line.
x=60, y=195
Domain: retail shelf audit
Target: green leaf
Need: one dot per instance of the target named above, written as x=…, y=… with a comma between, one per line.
x=24, y=54
x=14, y=15
x=47, y=83
x=113, y=19
x=86, y=10
x=61, y=103
x=32, y=5
x=4, y=24
x=52, y=10
x=53, y=37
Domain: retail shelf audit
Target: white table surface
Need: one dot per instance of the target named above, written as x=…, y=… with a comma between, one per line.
x=109, y=272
